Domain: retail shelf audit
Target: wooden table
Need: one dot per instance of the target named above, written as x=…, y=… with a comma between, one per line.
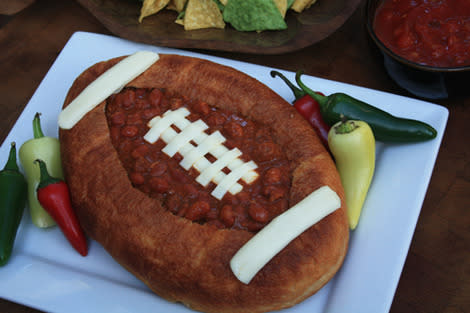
x=436, y=276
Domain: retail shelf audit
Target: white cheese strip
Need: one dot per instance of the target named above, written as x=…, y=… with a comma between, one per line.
x=231, y=179
x=211, y=171
x=203, y=147
x=194, y=144
x=248, y=177
x=105, y=85
x=275, y=236
x=159, y=124
x=184, y=137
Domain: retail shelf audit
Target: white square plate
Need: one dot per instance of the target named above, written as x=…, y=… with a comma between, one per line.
x=44, y=272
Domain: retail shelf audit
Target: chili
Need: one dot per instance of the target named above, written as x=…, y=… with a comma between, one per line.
x=309, y=108
x=12, y=203
x=162, y=177
x=47, y=149
x=54, y=196
x=386, y=127
x=435, y=33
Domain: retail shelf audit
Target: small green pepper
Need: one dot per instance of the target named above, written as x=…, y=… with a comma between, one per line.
x=12, y=202
x=48, y=150
x=352, y=144
x=386, y=127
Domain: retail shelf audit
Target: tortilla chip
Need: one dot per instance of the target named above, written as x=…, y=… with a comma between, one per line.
x=300, y=5
x=179, y=21
x=202, y=14
x=281, y=6
x=150, y=7
x=176, y=5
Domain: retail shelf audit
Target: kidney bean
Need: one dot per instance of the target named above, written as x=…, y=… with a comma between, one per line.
x=215, y=119
x=274, y=192
x=267, y=151
x=243, y=197
x=141, y=165
x=158, y=169
x=128, y=98
x=140, y=93
x=190, y=190
x=226, y=215
x=134, y=119
x=138, y=142
x=183, y=209
x=258, y=213
x=262, y=135
x=197, y=210
x=176, y=103
x=126, y=147
x=178, y=175
x=119, y=118
x=253, y=226
x=212, y=214
x=278, y=207
x=155, y=97
x=137, y=178
x=202, y=107
x=129, y=131
x=249, y=129
x=140, y=151
x=272, y=176
x=142, y=104
x=115, y=133
x=216, y=223
x=150, y=113
x=158, y=184
x=234, y=129
x=173, y=203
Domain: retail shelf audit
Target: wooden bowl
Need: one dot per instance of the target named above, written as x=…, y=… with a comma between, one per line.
x=304, y=29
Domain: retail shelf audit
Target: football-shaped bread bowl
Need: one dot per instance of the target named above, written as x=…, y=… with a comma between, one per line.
x=187, y=261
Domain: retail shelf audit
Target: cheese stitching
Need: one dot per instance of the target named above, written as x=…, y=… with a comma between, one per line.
x=193, y=144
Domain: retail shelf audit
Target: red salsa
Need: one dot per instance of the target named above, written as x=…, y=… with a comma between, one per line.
x=153, y=172
x=428, y=32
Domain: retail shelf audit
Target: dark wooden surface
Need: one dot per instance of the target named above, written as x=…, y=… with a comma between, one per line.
x=436, y=275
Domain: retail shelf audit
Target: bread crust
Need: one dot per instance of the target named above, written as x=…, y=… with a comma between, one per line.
x=188, y=262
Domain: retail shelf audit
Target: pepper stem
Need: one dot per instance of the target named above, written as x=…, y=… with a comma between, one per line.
x=11, y=164
x=45, y=178
x=319, y=98
x=37, y=130
x=298, y=92
x=345, y=127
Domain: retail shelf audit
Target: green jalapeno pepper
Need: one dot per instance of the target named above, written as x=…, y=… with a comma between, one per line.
x=12, y=203
x=386, y=127
x=47, y=149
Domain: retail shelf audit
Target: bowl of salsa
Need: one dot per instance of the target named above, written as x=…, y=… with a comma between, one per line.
x=425, y=44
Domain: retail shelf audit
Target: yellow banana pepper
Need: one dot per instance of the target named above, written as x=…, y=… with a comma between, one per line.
x=47, y=149
x=352, y=144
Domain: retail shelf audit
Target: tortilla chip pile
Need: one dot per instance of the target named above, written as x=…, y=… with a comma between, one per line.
x=243, y=15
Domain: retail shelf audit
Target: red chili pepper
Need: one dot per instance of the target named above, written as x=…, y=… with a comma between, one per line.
x=309, y=108
x=53, y=194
